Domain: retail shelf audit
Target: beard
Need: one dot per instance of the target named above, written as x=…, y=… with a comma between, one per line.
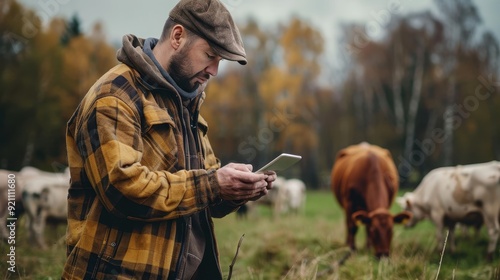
x=179, y=71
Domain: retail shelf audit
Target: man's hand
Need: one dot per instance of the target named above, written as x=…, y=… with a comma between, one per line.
x=238, y=182
x=270, y=179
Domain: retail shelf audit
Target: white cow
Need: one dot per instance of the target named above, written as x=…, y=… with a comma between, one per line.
x=19, y=180
x=461, y=194
x=286, y=196
x=291, y=197
x=45, y=197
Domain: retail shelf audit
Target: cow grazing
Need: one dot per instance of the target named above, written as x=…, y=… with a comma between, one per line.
x=365, y=181
x=45, y=199
x=467, y=194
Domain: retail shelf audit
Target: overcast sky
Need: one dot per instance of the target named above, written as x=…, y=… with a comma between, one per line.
x=131, y=16
x=146, y=18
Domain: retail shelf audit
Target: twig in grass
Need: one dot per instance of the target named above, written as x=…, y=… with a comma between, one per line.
x=442, y=254
x=335, y=265
x=345, y=257
x=234, y=259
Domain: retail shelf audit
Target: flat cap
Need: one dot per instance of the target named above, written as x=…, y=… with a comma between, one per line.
x=210, y=20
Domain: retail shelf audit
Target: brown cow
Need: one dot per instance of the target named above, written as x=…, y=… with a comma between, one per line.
x=365, y=181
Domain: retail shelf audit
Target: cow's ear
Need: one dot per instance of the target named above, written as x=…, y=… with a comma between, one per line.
x=408, y=204
x=403, y=202
x=402, y=218
x=361, y=217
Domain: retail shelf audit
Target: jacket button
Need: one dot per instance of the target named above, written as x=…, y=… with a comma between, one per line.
x=113, y=244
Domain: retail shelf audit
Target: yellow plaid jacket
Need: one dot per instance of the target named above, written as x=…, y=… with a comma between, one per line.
x=130, y=192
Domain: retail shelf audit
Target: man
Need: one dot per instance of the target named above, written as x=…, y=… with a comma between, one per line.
x=145, y=182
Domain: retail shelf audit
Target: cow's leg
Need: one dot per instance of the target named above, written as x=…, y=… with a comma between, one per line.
x=30, y=219
x=39, y=228
x=279, y=203
x=451, y=237
x=32, y=230
x=368, y=240
x=477, y=231
x=351, y=236
x=491, y=221
x=276, y=208
x=450, y=224
x=437, y=219
x=352, y=228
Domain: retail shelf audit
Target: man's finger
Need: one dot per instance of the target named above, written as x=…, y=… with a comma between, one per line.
x=250, y=178
x=243, y=167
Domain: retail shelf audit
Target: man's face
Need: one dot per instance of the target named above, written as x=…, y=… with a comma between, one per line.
x=193, y=64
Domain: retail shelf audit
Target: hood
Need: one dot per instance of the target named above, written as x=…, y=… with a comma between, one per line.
x=131, y=53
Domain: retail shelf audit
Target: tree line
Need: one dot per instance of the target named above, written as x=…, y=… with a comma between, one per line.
x=44, y=73
x=427, y=90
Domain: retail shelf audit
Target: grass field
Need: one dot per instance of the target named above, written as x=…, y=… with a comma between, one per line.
x=305, y=246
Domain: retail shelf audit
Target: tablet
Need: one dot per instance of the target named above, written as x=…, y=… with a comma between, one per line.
x=280, y=163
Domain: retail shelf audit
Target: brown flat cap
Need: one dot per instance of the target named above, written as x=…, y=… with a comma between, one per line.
x=210, y=20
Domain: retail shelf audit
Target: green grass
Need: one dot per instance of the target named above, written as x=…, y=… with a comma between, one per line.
x=304, y=246
x=310, y=245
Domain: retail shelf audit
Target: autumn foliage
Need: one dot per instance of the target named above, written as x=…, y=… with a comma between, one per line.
x=44, y=73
